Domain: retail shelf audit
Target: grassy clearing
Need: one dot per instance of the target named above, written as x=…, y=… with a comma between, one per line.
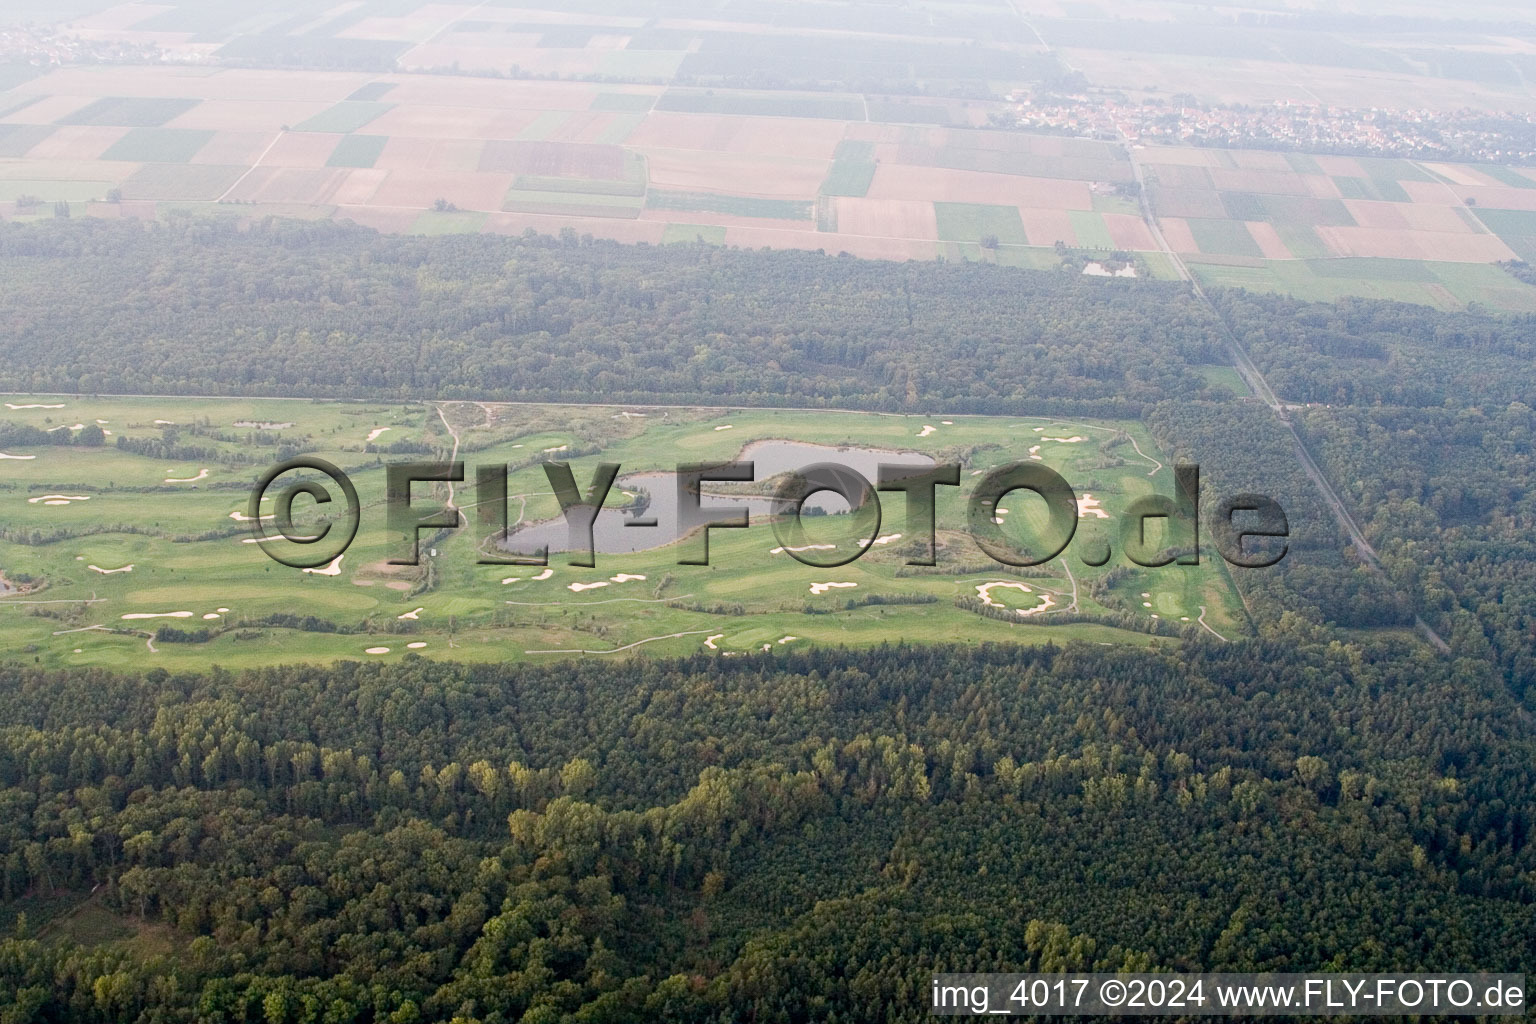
x=188, y=554
x=1225, y=377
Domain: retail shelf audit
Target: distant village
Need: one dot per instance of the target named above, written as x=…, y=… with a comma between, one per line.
x=1465, y=135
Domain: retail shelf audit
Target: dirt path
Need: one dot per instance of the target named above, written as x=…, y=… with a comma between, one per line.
x=626, y=647
x=1155, y=464
x=463, y=520
x=1208, y=628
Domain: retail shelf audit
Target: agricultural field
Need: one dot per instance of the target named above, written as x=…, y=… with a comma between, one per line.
x=751, y=129
x=138, y=550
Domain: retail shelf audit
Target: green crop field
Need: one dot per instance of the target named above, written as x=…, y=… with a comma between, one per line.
x=346, y=116
x=158, y=145
x=1090, y=230
x=1226, y=237
x=736, y=206
x=1442, y=285
x=357, y=151
x=130, y=112
x=763, y=104
x=972, y=222
x=130, y=559
x=712, y=234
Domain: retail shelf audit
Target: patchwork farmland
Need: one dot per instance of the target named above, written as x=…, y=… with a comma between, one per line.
x=871, y=176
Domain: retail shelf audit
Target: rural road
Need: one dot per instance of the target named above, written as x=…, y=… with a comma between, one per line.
x=1260, y=387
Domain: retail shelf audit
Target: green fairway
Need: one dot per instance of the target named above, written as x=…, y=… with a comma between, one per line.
x=137, y=559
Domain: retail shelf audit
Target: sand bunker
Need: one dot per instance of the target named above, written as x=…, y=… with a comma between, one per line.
x=375, y=432
x=1074, y=439
x=822, y=588
x=201, y=475
x=58, y=499
x=728, y=426
x=926, y=430
x=887, y=539
x=241, y=517
x=1034, y=453
x=947, y=423
x=546, y=574
x=511, y=579
x=787, y=639
x=102, y=423
x=1146, y=604
x=559, y=448
x=377, y=650
x=630, y=415
x=158, y=615
x=165, y=423
x=984, y=591
x=411, y=615
x=625, y=577
x=109, y=572
x=334, y=569
x=210, y=615
x=18, y=458
x=808, y=547
x=418, y=645
x=8, y=405
x=1088, y=505
x=579, y=587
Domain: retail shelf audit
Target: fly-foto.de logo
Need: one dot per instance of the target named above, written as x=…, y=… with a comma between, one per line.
x=1247, y=530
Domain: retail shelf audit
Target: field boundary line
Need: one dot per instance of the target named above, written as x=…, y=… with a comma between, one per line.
x=252, y=169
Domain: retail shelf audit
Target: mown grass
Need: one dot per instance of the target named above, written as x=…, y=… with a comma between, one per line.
x=189, y=555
